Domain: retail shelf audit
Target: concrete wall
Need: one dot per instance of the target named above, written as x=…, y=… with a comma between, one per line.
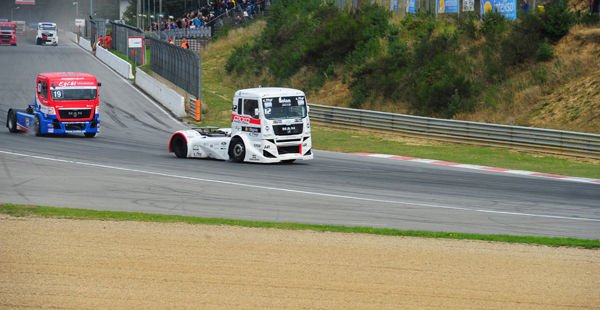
x=85, y=44
x=121, y=66
x=166, y=96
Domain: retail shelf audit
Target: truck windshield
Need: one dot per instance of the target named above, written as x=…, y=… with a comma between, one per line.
x=7, y=28
x=74, y=94
x=284, y=107
x=47, y=27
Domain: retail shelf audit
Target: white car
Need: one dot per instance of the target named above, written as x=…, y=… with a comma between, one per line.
x=47, y=34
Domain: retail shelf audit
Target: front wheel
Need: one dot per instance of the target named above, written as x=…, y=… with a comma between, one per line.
x=237, y=150
x=11, y=121
x=38, y=41
x=89, y=134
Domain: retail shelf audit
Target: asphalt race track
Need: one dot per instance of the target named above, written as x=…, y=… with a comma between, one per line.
x=127, y=167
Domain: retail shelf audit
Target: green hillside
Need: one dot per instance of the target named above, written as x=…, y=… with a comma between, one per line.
x=538, y=71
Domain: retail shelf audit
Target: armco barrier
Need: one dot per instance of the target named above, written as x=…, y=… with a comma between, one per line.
x=121, y=66
x=166, y=96
x=536, y=139
x=85, y=44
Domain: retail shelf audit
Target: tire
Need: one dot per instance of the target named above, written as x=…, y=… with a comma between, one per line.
x=237, y=150
x=89, y=134
x=38, y=41
x=179, y=146
x=288, y=161
x=36, y=126
x=11, y=121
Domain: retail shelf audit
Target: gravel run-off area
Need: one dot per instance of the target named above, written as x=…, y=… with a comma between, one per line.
x=84, y=264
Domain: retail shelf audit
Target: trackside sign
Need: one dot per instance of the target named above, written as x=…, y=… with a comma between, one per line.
x=25, y=2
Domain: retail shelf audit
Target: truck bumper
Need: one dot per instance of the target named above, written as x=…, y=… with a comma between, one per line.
x=51, y=125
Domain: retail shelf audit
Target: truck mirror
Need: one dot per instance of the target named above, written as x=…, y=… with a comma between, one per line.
x=99, y=84
x=39, y=88
x=255, y=115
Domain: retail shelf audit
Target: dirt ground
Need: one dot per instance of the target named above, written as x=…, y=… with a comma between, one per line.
x=55, y=263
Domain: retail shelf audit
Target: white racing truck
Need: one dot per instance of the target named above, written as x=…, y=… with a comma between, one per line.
x=47, y=33
x=269, y=125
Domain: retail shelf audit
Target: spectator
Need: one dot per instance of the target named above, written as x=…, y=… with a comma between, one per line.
x=100, y=41
x=185, y=44
x=108, y=40
x=171, y=41
x=525, y=6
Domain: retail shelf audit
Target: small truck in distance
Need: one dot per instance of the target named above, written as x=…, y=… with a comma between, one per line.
x=65, y=102
x=8, y=33
x=269, y=125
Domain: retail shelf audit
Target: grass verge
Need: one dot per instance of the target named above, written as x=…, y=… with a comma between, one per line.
x=82, y=214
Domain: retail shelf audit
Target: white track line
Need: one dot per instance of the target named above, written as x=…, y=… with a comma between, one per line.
x=432, y=206
x=484, y=168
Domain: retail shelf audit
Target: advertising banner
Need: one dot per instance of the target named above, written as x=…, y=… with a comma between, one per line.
x=25, y=2
x=411, y=7
x=468, y=5
x=447, y=6
x=508, y=8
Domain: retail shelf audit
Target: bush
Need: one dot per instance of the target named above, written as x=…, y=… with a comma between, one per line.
x=241, y=60
x=557, y=20
x=544, y=52
x=522, y=40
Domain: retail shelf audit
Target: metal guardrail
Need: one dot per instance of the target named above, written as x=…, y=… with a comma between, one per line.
x=536, y=139
x=178, y=65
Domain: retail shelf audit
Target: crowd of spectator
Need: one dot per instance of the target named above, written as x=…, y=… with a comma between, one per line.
x=237, y=10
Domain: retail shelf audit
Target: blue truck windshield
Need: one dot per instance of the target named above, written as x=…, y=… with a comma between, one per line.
x=284, y=107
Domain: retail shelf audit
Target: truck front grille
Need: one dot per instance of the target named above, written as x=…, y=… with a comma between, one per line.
x=286, y=130
x=74, y=113
x=75, y=126
x=294, y=149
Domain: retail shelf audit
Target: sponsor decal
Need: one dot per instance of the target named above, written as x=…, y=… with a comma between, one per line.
x=257, y=146
x=245, y=119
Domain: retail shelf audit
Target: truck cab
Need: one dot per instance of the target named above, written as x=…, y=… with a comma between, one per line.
x=8, y=33
x=65, y=102
x=268, y=125
x=47, y=34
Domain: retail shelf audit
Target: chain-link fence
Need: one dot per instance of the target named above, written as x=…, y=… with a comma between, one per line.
x=120, y=33
x=178, y=65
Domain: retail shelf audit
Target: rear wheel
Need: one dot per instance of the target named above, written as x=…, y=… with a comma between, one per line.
x=237, y=150
x=11, y=121
x=179, y=146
